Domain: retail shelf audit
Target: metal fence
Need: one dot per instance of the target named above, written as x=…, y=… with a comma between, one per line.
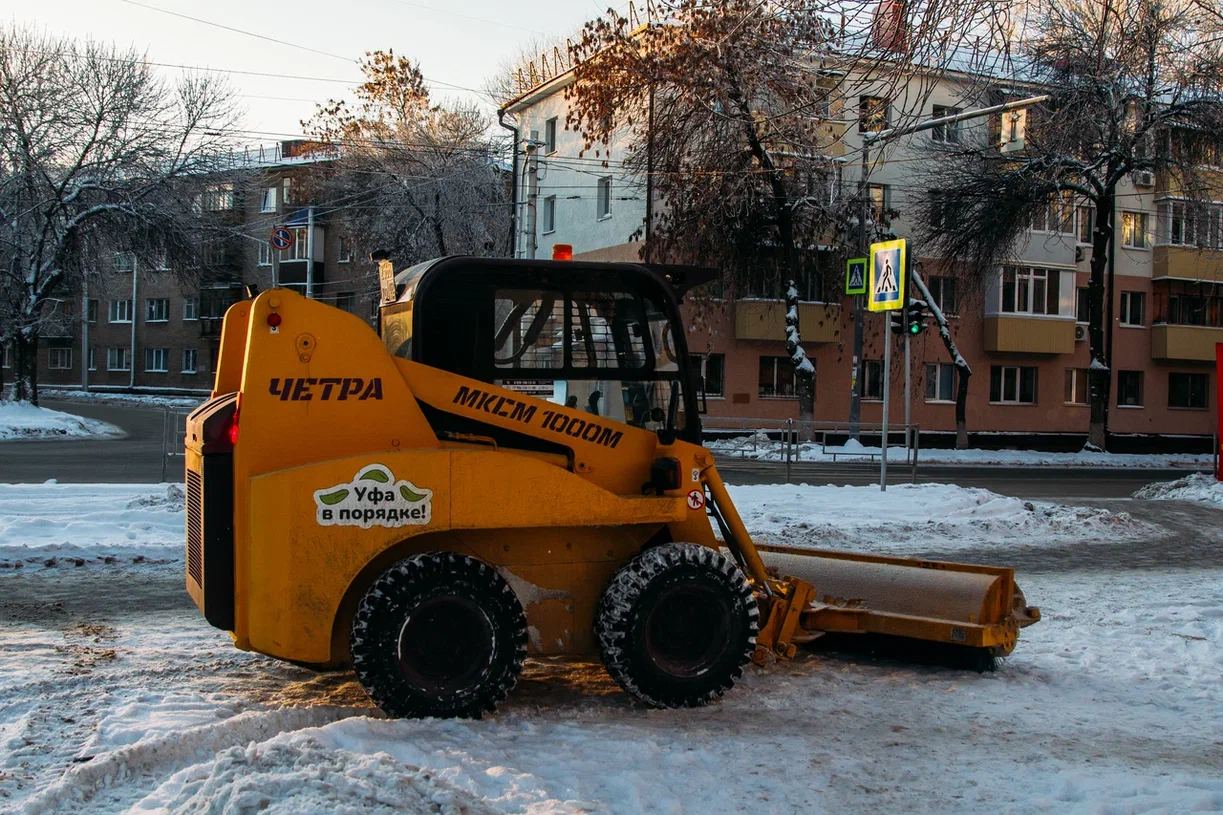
x=173, y=436
x=788, y=441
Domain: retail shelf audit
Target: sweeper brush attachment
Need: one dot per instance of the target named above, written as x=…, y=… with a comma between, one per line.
x=512, y=468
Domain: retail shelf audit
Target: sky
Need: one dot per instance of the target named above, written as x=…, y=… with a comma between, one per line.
x=456, y=42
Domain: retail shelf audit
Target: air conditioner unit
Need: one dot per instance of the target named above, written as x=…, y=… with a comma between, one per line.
x=1144, y=178
x=1080, y=333
x=1079, y=254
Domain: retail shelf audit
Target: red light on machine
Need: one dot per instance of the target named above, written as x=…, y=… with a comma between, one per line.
x=274, y=320
x=562, y=251
x=232, y=430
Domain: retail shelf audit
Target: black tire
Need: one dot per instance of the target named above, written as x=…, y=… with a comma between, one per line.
x=439, y=634
x=677, y=624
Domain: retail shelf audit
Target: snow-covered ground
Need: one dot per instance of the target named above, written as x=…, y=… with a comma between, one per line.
x=1196, y=487
x=21, y=421
x=758, y=447
x=153, y=400
x=115, y=696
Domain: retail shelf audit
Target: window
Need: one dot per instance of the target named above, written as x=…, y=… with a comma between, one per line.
x=604, y=204
x=943, y=291
x=872, y=379
x=712, y=368
x=156, y=310
x=219, y=197
x=119, y=358
x=345, y=300
x=1129, y=388
x=1055, y=215
x=1134, y=230
x=91, y=310
x=940, y=382
x=1182, y=224
x=1082, y=305
x=120, y=311
x=344, y=252
x=265, y=253
x=59, y=359
x=878, y=201
x=550, y=135
x=1131, y=308
x=269, y=200
x=1076, y=386
x=301, y=245
x=948, y=132
x=1187, y=391
x=1013, y=130
x=191, y=308
x=156, y=360
x=93, y=358
x=549, y=220
x=286, y=191
x=190, y=360
x=1027, y=290
x=776, y=376
x=872, y=113
x=125, y=262
x=1012, y=385
x=1084, y=222
x=214, y=253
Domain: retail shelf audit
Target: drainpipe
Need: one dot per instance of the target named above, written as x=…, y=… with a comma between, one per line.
x=513, y=186
x=131, y=383
x=310, y=251
x=85, y=332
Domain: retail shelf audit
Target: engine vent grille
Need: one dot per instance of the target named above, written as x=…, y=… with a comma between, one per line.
x=195, y=528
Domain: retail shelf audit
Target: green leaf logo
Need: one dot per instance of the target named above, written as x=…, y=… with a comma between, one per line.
x=375, y=475
x=333, y=498
x=409, y=495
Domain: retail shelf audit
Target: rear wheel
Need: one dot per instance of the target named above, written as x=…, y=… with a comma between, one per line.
x=439, y=634
x=676, y=625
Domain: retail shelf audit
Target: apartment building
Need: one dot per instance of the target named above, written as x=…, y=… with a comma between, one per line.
x=1022, y=327
x=144, y=326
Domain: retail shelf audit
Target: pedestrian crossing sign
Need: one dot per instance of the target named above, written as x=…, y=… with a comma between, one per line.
x=855, y=276
x=887, y=276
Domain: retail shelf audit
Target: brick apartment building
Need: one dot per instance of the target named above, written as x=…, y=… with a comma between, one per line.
x=158, y=328
x=1022, y=327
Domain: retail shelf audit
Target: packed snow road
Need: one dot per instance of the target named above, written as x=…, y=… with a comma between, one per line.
x=115, y=696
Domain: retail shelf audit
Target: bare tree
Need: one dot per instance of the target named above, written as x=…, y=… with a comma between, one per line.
x=1136, y=85
x=735, y=111
x=95, y=150
x=409, y=176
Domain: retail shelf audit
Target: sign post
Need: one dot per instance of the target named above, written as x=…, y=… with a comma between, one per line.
x=886, y=293
x=855, y=276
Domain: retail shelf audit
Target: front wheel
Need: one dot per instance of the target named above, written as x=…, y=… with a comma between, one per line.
x=439, y=634
x=677, y=624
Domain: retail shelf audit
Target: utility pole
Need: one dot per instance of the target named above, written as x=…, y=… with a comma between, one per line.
x=132, y=362
x=85, y=331
x=310, y=251
x=531, y=179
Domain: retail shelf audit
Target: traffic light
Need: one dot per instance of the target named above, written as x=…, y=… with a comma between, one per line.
x=896, y=321
x=915, y=317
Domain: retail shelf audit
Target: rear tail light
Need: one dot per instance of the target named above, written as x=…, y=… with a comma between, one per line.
x=232, y=430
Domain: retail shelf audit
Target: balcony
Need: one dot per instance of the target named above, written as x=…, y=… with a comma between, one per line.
x=1024, y=334
x=1189, y=343
x=766, y=320
x=1186, y=263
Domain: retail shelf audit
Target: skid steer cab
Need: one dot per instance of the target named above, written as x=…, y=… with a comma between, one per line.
x=512, y=466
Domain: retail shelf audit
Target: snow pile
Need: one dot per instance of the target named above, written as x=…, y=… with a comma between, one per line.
x=1197, y=487
x=25, y=422
x=151, y=400
x=758, y=446
x=292, y=775
x=919, y=517
x=48, y=522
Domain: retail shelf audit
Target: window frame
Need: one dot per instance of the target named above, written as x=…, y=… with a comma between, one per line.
x=268, y=201
x=942, y=283
x=1000, y=396
x=940, y=371
x=550, y=130
x=777, y=362
x=1142, y=218
x=1072, y=381
x=949, y=132
x=111, y=311
x=191, y=309
x=1029, y=273
x=150, y=309
x=52, y=353
x=865, y=378
x=547, y=221
x=1141, y=390
x=151, y=353
x=880, y=114
x=124, y=352
x=1126, y=307
x=603, y=199
x=701, y=366
x=194, y=354
x=1192, y=377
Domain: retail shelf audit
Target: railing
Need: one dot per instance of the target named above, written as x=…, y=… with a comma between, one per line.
x=789, y=441
x=173, y=436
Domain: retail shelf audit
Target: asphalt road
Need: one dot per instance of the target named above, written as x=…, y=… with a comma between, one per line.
x=137, y=458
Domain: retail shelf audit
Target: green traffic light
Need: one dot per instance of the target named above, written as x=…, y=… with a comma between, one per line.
x=914, y=328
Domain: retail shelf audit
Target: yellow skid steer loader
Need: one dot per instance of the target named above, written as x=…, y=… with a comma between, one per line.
x=514, y=467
